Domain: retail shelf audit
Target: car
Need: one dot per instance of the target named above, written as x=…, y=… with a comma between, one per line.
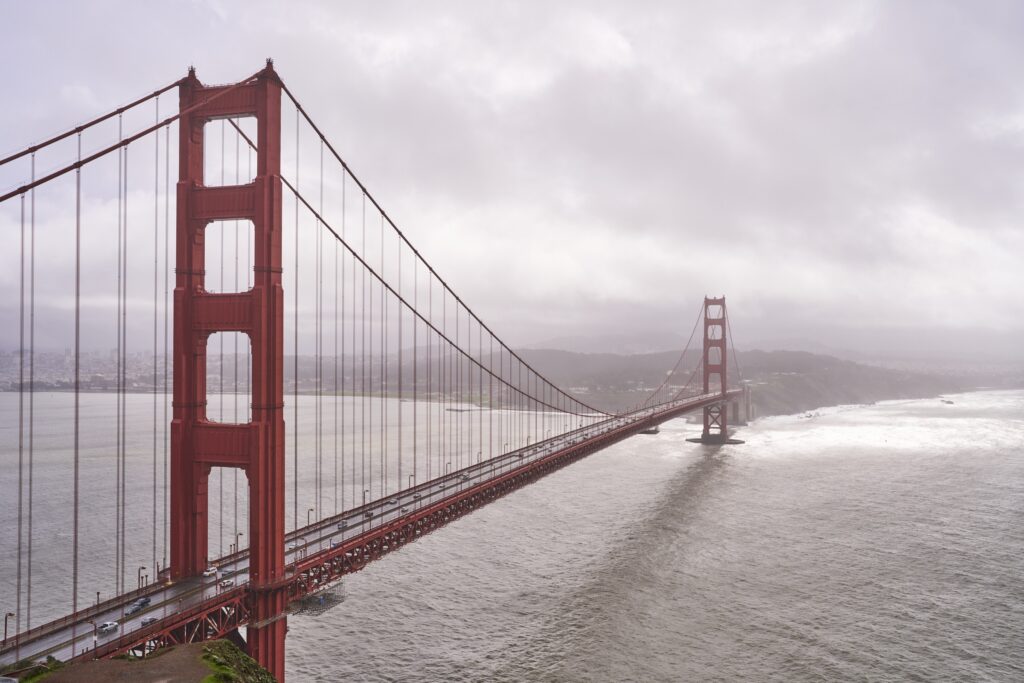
x=108, y=627
x=393, y=501
x=226, y=583
x=368, y=514
x=144, y=601
x=210, y=571
x=464, y=477
x=405, y=509
x=146, y=621
x=342, y=524
x=291, y=548
x=133, y=608
x=335, y=544
x=416, y=496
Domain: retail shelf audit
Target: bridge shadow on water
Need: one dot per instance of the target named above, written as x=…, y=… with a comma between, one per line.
x=586, y=634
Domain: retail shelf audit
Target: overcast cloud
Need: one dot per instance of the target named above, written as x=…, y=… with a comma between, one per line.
x=849, y=174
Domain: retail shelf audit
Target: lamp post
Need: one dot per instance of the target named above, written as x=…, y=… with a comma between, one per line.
x=365, y=491
x=410, y=481
x=308, y=513
x=139, y=576
x=97, y=598
x=6, y=617
x=238, y=544
x=95, y=636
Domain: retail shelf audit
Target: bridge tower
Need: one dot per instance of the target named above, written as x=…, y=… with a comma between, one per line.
x=714, y=368
x=198, y=444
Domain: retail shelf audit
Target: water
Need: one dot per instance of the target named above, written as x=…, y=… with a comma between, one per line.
x=867, y=543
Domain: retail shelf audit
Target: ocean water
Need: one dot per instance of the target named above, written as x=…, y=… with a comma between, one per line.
x=873, y=543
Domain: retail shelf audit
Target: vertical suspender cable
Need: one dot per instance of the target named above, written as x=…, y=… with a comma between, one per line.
x=430, y=372
x=337, y=395
x=78, y=329
x=156, y=310
x=295, y=364
x=369, y=398
x=124, y=382
x=399, y=402
x=415, y=367
x=21, y=418
x=362, y=355
x=167, y=309
x=320, y=345
x=220, y=361
x=383, y=371
x=234, y=357
x=117, y=396
x=31, y=386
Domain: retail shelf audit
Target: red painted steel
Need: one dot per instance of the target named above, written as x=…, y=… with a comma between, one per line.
x=714, y=364
x=197, y=445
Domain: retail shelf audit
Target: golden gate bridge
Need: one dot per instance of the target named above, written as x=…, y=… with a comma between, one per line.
x=406, y=412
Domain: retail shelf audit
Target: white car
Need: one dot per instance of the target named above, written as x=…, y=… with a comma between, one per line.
x=107, y=627
x=210, y=571
x=226, y=583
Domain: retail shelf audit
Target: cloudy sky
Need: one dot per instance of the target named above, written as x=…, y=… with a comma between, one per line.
x=849, y=174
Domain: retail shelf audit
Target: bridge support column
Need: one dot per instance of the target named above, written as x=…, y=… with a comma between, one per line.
x=716, y=428
x=257, y=447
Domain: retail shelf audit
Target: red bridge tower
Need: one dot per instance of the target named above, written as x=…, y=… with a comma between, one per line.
x=715, y=416
x=256, y=447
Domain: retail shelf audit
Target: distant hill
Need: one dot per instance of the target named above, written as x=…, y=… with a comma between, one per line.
x=783, y=381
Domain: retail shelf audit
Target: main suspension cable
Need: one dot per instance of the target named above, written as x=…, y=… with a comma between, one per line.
x=77, y=130
x=123, y=142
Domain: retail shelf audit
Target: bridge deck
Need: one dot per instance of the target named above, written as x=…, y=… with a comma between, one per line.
x=317, y=555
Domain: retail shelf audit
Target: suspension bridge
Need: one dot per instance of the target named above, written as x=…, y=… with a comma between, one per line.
x=304, y=344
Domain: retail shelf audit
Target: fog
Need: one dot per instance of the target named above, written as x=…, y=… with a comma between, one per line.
x=850, y=175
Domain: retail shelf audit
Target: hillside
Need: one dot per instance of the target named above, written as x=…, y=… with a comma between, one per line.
x=783, y=381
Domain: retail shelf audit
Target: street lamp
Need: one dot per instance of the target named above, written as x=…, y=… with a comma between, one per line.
x=447, y=467
x=365, y=491
x=6, y=617
x=97, y=598
x=139, y=576
x=410, y=481
x=308, y=513
x=238, y=544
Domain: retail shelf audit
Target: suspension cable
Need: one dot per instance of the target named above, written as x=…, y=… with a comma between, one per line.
x=678, y=362
x=443, y=336
x=85, y=126
x=401, y=235
x=732, y=345
x=123, y=142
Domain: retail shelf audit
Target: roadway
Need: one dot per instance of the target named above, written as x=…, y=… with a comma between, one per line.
x=65, y=640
